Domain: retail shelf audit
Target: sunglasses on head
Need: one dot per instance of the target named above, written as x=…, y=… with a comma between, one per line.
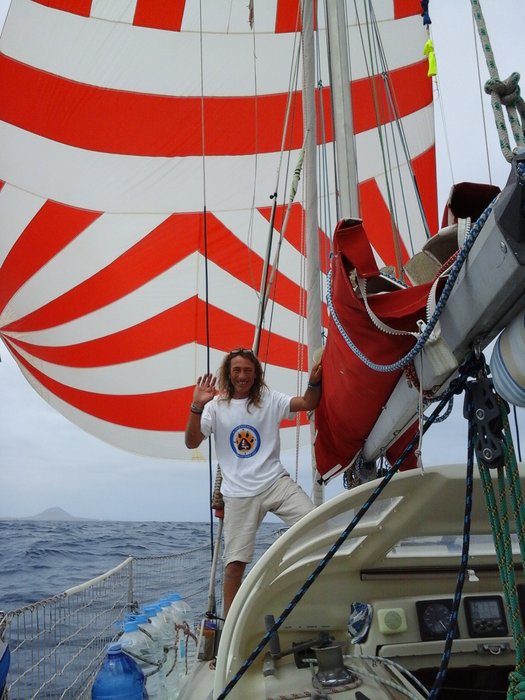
x=241, y=351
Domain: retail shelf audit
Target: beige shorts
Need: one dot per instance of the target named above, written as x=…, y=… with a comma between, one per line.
x=242, y=516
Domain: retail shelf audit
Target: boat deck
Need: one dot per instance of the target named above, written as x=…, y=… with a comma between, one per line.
x=402, y=559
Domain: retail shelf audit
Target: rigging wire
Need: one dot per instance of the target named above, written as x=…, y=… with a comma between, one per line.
x=370, y=54
x=373, y=39
x=269, y=284
x=325, y=217
x=206, y=269
x=249, y=235
x=438, y=99
x=481, y=101
x=396, y=124
x=293, y=79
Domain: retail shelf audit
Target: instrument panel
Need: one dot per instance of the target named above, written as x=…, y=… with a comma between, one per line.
x=484, y=614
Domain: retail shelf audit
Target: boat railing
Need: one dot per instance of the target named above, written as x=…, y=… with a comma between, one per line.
x=58, y=644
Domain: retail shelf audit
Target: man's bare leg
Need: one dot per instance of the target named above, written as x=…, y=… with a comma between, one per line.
x=233, y=574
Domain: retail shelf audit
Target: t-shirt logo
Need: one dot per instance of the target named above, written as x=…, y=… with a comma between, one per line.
x=245, y=441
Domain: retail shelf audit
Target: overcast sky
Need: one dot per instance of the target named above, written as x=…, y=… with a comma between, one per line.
x=46, y=461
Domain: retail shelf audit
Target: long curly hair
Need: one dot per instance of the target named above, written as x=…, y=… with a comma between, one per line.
x=226, y=387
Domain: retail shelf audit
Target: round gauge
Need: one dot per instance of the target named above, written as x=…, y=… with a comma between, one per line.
x=434, y=618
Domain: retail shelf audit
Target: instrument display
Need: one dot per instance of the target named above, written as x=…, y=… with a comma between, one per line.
x=434, y=617
x=485, y=616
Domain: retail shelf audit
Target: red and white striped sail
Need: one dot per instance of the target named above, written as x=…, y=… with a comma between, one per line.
x=140, y=139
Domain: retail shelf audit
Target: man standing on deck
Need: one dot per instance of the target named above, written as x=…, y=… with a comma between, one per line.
x=244, y=416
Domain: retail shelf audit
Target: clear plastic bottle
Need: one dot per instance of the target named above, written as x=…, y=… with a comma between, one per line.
x=159, y=619
x=183, y=611
x=143, y=649
x=180, y=617
x=119, y=678
x=169, y=618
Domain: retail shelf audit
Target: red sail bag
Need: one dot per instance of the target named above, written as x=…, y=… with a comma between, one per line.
x=354, y=394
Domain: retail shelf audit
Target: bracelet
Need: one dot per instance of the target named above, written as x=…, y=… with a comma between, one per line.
x=314, y=385
x=196, y=409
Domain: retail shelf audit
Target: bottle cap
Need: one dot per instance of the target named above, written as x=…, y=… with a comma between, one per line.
x=151, y=609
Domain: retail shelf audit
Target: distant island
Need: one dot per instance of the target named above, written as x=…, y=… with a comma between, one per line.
x=55, y=514
x=50, y=514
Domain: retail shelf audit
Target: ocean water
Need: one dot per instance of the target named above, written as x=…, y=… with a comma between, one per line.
x=39, y=559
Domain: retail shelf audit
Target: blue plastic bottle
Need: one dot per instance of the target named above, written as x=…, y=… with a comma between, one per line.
x=119, y=678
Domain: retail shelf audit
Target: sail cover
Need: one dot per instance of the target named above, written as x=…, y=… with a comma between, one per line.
x=141, y=146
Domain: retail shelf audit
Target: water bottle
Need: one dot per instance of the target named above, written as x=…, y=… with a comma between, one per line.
x=178, y=613
x=183, y=612
x=143, y=651
x=146, y=626
x=168, y=616
x=119, y=678
x=166, y=637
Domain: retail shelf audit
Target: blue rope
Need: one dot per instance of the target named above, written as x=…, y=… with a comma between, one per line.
x=520, y=169
x=440, y=419
x=445, y=658
x=425, y=335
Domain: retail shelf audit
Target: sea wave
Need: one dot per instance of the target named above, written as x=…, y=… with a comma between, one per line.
x=39, y=559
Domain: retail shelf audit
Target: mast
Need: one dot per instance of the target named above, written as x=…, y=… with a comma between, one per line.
x=348, y=200
x=313, y=311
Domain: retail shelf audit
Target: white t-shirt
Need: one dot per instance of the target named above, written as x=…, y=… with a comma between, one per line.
x=247, y=443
